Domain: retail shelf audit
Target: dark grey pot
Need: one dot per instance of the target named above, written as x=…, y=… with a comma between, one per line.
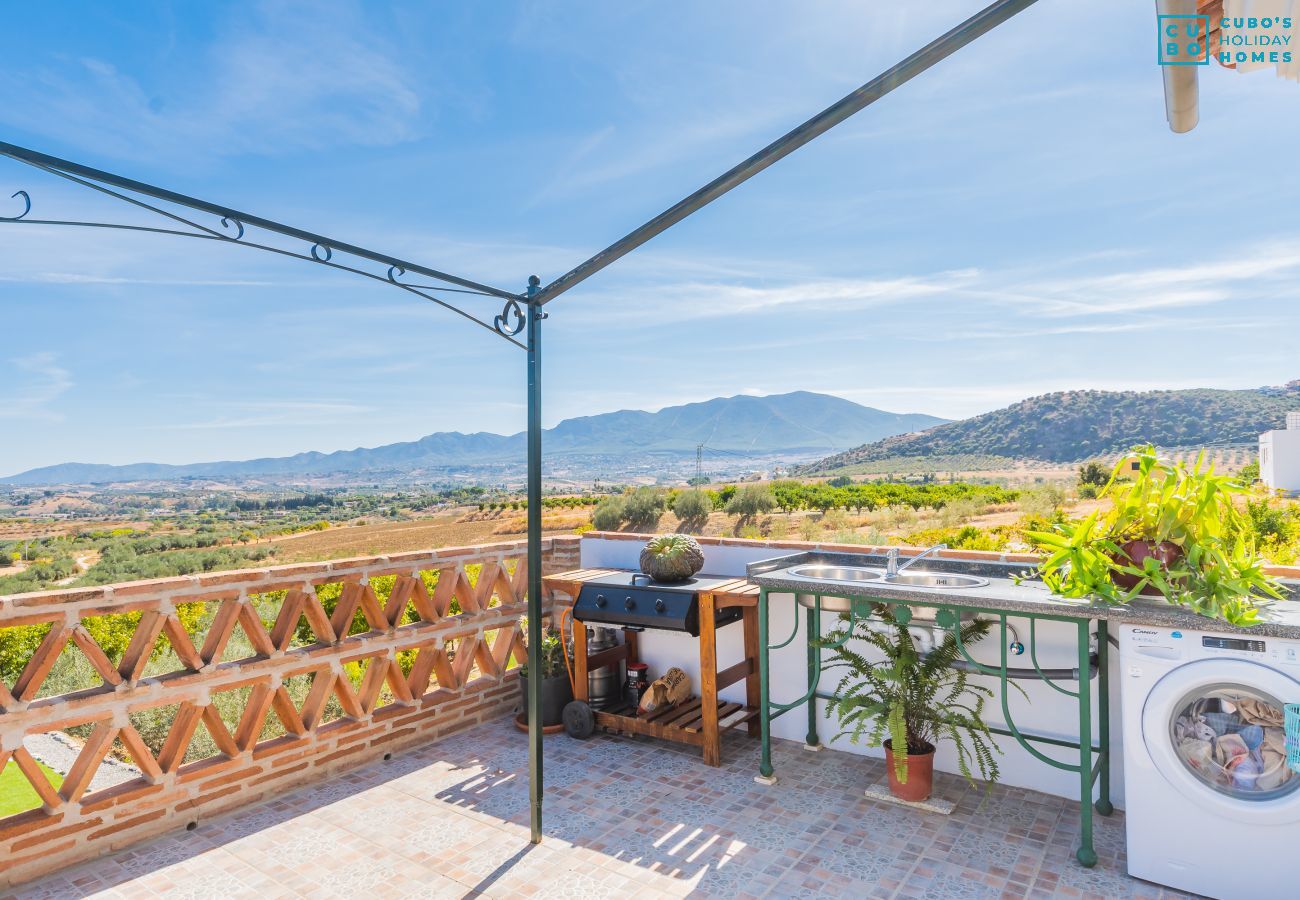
x=556, y=694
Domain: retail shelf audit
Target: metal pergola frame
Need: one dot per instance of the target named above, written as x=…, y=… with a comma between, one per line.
x=521, y=311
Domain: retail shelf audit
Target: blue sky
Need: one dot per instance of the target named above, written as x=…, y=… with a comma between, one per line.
x=1015, y=221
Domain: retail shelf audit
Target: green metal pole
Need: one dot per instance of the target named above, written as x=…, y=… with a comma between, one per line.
x=1104, y=806
x=535, y=316
x=764, y=699
x=814, y=674
x=1085, y=854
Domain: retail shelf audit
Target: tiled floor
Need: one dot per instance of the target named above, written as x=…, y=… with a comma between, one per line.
x=624, y=818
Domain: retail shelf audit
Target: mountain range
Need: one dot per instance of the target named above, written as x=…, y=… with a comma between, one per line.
x=798, y=424
x=1070, y=426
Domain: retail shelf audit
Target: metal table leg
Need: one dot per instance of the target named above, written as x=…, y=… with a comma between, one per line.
x=811, y=741
x=766, y=774
x=1085, y=854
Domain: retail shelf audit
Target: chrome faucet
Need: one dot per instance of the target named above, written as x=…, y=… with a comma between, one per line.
x=893, y=569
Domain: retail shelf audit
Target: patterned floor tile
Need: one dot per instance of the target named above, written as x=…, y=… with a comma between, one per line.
x=625, y=817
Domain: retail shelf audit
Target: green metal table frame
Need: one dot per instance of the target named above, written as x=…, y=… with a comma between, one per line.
x=1093, y=762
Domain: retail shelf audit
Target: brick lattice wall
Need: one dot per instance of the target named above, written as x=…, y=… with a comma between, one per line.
x=420, y=671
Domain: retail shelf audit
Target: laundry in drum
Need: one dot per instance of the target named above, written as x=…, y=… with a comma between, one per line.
x=1234, y=741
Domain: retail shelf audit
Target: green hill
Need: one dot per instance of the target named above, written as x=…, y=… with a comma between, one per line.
x=1074, y=425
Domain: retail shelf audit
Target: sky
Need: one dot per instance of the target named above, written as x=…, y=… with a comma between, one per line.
x=1017, y=220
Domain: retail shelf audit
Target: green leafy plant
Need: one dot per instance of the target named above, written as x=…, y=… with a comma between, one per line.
x=909, y=699
x=553, y=654
x=1218, y=574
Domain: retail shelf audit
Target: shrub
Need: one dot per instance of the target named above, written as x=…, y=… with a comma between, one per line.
x=750, y=501
x=692, y=508
x=643, y=507
x=609, y=514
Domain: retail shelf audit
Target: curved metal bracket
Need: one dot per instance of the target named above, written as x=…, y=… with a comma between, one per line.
x=233, y=228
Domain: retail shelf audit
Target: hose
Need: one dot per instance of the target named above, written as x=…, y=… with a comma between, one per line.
x=568, y=665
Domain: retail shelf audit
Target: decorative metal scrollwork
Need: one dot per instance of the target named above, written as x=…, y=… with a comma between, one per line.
x=321, y=252
x=511, y=320
x=394, y=272
x=239, y=226
x=27, y=206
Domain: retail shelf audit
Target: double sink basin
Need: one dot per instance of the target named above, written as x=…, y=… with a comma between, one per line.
x=832, y=574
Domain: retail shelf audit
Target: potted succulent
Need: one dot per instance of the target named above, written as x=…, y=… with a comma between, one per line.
x=1171, y=532
x=672, y=557
x=556, y=688
x=907, y=701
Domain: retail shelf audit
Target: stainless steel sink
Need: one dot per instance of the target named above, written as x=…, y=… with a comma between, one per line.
x=944, y=580
x=842, y=574
x=837, y=573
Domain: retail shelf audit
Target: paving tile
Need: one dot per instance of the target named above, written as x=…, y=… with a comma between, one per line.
x=625, y=817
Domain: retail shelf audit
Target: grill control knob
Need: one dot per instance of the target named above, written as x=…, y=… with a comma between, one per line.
x=660, y=605
x=601, y=601
x=629, y=603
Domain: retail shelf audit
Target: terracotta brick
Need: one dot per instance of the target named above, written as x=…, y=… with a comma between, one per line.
x=204, y=768
x=243, y=773
x=279, y=773
x=204, y=799
x=393, y=736
x=278, y=745
x=24, y=823
x=55, y=598
x=46, y=837
x=339, y=754
x=130, y=792
x=9, y=862
x=126, y=825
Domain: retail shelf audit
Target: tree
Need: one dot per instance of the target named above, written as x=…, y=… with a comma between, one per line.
x=643, y=507
x=842, y=481
x=609, y=514
x=692, y=508
x=1093, y=473
x=750, y=501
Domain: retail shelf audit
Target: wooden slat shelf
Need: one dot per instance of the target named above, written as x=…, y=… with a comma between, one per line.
x=698, y=720
x=683, y=722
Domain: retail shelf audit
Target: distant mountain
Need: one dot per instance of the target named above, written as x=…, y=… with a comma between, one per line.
x=1075, y=425
x=798, y=424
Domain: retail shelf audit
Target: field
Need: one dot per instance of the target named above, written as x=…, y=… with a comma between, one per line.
x=971, y=467
x=454, y=530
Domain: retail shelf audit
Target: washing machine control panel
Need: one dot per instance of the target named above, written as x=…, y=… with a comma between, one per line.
x=1212, y=642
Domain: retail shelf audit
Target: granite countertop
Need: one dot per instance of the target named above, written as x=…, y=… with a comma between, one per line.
x=1280, y=619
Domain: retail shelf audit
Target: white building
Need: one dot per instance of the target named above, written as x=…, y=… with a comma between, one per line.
x=1279, y=456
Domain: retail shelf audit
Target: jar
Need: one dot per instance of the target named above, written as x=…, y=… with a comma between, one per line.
x=638, y=682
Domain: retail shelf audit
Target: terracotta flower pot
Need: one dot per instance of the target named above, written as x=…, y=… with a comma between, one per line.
x=1137, y=552
x=920, y=775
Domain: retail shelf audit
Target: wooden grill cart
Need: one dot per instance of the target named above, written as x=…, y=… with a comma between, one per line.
x=698, y=720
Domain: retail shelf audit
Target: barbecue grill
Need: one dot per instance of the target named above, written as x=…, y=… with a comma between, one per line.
x=633, y=600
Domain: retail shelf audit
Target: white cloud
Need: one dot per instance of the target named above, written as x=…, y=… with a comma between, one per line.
x=293, y=78
x=41, y=382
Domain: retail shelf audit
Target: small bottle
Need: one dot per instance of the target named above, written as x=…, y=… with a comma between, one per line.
x=638, y=681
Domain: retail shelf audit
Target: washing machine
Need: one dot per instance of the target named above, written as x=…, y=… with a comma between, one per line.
x=1211, y=806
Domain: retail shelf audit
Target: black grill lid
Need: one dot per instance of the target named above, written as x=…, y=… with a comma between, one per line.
x=632, y=599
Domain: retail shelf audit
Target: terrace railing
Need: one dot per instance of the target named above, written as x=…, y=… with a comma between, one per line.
x=201, y=693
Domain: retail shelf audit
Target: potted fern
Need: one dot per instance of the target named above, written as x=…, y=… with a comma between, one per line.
x=1171, y=532
x=908, y=701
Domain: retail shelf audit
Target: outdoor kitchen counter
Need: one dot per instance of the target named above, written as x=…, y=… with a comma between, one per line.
x=1281, y=619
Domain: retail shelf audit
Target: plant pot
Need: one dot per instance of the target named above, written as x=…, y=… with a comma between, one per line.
x=920, y=775
x=1137, y=552
x=556, y=694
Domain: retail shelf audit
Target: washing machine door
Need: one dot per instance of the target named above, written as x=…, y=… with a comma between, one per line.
x=1213, y=729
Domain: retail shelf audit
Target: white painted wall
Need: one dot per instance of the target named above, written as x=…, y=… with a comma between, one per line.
x=1044, y=712
x=1279, y=459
